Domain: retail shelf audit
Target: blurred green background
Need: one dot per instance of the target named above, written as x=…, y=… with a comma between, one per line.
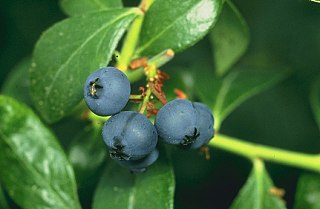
x=283, y=33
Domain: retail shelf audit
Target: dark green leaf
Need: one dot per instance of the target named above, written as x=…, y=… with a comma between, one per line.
x=77, y=7
x=230, y=38
x=87, y=152
x=17, y=84
x=3, y=201
x=186, y=69
x=67, y=53
x=35, y=170
x=177, y=24
x=257, y=191
x=308, y=192
x=227, y=93
x=121, y=189
x=315, y=99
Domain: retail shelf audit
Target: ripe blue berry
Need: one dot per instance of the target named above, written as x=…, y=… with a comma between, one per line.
x=175, y=120
x=138, y=166
x=107, y=91
x=129, y=136
x=205, y=123
x=184, y=123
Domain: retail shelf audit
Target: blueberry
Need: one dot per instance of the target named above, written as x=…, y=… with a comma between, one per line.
x=175, y=121
x=129, y=136
x=205, y=123
x=107, y=91
x=138, y=166
x=187, y=124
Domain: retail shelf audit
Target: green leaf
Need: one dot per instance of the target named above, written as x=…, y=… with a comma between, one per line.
x=317, y=1
x=78, y=7
x=3, y=201
x=230, y=38
x=222, y=94
x=227, y=93
x=121, y=189
x=177, y=24
x=17, y=84
x=68, y=52
x=308, y=192
x=35, y=171
x=256, y=193
x=315, y=99
x=87, y=153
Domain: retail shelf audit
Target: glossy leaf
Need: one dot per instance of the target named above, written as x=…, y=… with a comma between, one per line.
x=87, y=153
x=308, y=192
x=78, y=7
x=315, y=99
x=17, y=84
x=177, y=24
x=230, y=38
x=3, y=201
x=258, y=192
x=68, y=52
x=121, y=189
x=227, y=93
x=36, y=171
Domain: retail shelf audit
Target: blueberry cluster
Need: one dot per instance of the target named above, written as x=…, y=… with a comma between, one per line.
x=130, y=136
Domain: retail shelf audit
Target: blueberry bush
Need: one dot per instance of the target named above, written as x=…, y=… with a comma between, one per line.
x=160, y=104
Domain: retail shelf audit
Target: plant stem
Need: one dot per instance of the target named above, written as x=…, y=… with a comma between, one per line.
x=150, y=72
x=252, y=151
x=136, y=97
x=145, y=101
x=162, y=58
x=130, y=43
x=145, y=4
x=135, y=75
x=158, y=60
x=132, y=37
